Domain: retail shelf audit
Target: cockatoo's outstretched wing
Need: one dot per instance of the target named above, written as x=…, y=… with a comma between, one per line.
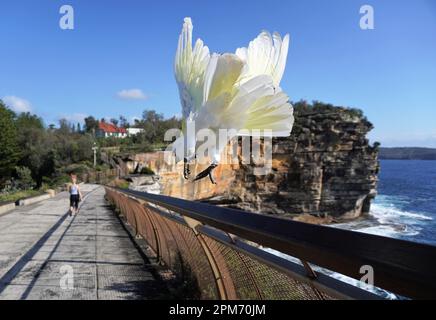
x=221, y=76
x=253, y=104
x=190, y=67
x=259, y=105
x=271, y=112
x=265, y=55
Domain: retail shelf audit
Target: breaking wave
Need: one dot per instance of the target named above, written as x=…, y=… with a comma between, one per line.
x=386, y=218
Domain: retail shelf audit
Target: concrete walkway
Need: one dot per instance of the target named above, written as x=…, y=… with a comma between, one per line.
x=46, y=254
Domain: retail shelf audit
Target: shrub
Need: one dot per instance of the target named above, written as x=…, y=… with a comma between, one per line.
x=24, y=178
x=102, y=167
x=146, y=170
x=124, y=185
x=17, y=195
x=60, y=180
x=119, y=183
x=76, y=169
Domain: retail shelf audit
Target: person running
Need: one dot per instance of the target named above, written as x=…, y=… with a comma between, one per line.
x=75, y=195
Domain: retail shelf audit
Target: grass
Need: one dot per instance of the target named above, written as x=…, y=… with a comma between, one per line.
x=123, y=185
x=17, y=195
x=119, y=183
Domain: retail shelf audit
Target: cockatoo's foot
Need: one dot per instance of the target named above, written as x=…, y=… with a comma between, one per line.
x=207, y=172
x=186, y=171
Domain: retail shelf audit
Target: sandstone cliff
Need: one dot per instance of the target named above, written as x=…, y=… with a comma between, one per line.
x=326, y=167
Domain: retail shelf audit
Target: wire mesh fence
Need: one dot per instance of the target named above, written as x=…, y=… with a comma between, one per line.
x=222, y=253
x=218, y=270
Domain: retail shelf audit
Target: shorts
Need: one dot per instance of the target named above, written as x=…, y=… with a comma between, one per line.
x=74, y=201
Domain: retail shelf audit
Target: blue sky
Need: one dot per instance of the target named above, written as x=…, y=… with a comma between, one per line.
x=389, y=72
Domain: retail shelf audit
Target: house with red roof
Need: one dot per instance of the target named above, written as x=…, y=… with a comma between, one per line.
x=106, y=130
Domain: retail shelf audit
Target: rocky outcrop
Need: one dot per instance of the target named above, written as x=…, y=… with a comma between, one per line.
x=148, y=183
x=171, y=181
x=325, y=168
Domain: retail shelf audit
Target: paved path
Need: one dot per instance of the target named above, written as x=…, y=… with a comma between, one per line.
x=40, y=245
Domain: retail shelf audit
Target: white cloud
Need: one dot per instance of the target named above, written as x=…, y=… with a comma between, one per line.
x=132, y=94
x=17, y=104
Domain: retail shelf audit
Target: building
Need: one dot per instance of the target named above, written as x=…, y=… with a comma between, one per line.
x=134, y=131
x=106, y=130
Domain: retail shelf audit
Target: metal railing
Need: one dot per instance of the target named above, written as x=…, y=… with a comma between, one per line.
x=218, y=249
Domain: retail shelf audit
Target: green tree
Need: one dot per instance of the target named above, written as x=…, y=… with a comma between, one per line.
x=28, y=120
x=24, y=178
x=151, y=123
x=114, y=121
x=32, y=137
x=64, y=127
x=91, y=124
x=9, y=151
x=123, y=122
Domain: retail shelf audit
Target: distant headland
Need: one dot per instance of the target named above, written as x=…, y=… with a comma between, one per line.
x=407, y=153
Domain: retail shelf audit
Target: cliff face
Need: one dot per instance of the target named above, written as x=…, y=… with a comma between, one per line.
x=170, y=179
x=326, y=167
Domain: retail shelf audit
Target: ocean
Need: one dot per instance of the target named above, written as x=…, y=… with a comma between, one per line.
x=405, y=206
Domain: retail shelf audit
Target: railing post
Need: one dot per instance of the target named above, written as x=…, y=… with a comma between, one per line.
x=192, y=223
x=155, y=231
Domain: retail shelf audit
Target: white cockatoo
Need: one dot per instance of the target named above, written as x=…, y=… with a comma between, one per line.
x=234, y=91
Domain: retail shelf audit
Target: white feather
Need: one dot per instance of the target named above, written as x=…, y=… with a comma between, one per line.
x=232, y=91
x=265, y=55
x=190, y=67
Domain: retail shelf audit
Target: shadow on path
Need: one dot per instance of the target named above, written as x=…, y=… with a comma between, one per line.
x=19, y=265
